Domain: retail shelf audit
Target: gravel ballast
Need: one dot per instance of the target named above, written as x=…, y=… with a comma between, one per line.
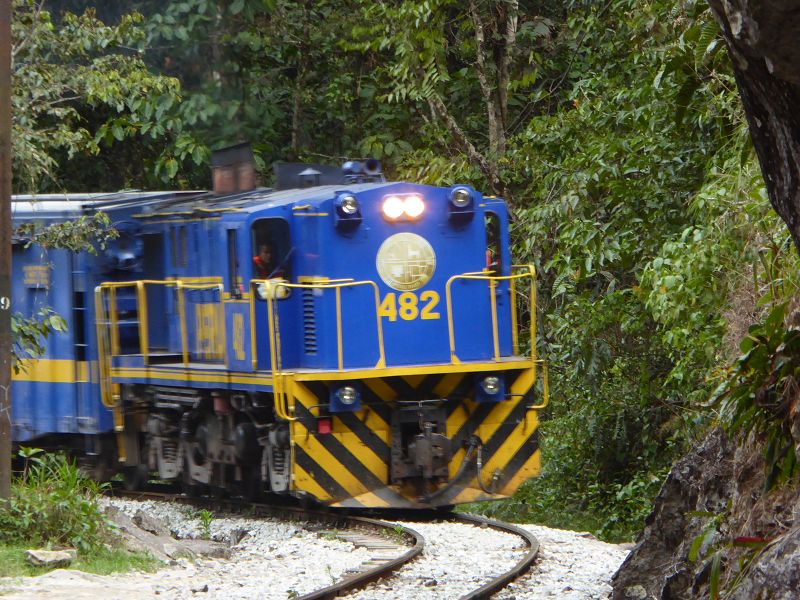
x=275, y=559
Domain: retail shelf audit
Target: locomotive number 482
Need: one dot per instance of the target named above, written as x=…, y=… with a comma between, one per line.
x=408, y=306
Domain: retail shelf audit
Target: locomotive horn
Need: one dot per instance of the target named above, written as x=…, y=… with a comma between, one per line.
x=372, y=166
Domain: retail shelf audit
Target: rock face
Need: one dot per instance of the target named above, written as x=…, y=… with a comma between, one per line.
x=775, y=575
x=716, y=490
x=658, y=567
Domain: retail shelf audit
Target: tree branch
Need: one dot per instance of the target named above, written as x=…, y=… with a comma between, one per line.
x=480, y=63
x=29, y=37
x=510, y=40
x=488, y=168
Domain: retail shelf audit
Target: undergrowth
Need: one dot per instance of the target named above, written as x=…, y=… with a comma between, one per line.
x=613, y=513
x=102, y=561
x=52, y=502
x=53, y=505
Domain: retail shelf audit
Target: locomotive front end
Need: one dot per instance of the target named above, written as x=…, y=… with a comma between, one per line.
x=410, y=388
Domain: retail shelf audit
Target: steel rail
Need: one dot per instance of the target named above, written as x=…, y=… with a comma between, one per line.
x=359, y=580
x=522, y=566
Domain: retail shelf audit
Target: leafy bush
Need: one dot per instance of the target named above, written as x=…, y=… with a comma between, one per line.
x=761, y=394
x=53, y=502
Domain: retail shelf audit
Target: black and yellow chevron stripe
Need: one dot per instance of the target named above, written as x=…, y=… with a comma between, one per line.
x=350, y=466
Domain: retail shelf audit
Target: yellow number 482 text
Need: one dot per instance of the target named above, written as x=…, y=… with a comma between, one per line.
x=409, y=307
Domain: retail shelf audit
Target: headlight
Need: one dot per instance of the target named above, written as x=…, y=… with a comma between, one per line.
x=413, y=206
x=460, y=197
x=349, y=205
x=491, y=385
x=347, y=395
x=393, y=207
x=347, y=215
x=272, y=289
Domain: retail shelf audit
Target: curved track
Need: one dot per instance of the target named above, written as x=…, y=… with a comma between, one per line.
x=518, y=569
x=371, y=533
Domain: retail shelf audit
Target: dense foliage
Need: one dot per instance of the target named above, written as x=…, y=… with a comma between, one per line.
x=52, y=502
x=80, y=88
x=614, y=129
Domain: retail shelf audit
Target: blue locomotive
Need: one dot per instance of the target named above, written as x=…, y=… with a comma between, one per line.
x=340, y=338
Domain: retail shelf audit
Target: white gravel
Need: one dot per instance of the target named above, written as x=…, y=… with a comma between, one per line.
x=282, y=560
x=457, y=559
x=570, y=566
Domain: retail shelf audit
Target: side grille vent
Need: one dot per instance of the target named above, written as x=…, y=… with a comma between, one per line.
x=309, y=322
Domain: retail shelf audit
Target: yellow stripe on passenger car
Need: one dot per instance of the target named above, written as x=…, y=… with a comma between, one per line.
x=49, y=370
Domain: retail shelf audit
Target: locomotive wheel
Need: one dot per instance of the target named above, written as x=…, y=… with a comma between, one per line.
x=135, y=478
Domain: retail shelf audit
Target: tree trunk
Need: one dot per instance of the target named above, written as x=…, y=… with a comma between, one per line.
x=300, y=84
x=761, y=36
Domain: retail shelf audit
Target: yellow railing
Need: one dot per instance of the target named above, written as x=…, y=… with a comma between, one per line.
x=529, y=272
x=180, y=285
x=492, y=280
x=272, y=286
x=109, y=340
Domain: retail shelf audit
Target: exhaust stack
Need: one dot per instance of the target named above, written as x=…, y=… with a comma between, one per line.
x=233, y=169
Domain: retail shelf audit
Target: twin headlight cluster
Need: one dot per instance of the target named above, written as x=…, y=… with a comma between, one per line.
x=403, y=207
x=410, y=205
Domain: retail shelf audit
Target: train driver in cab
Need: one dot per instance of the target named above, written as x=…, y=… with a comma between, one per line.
x=265, y=262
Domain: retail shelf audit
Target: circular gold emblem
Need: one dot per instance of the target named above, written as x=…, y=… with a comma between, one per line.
x=406, y=261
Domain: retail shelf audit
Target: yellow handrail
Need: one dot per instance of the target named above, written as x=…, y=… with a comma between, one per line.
x=182, y=318
x=282, y=407
x=101, y=329
x=545, y=388
x=492, y=280
x=532, y=274
x=180, y=285
x=110, y=333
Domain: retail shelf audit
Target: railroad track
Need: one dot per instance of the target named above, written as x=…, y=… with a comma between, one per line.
x=393, y=545
x=518, y=569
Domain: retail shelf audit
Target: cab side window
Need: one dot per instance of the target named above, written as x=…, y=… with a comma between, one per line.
x=271, y=249
x=493, y=250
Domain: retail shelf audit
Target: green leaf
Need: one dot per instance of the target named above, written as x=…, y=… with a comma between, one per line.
x=171, y=166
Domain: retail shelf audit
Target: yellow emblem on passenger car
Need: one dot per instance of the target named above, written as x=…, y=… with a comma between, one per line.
x=406, y=261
